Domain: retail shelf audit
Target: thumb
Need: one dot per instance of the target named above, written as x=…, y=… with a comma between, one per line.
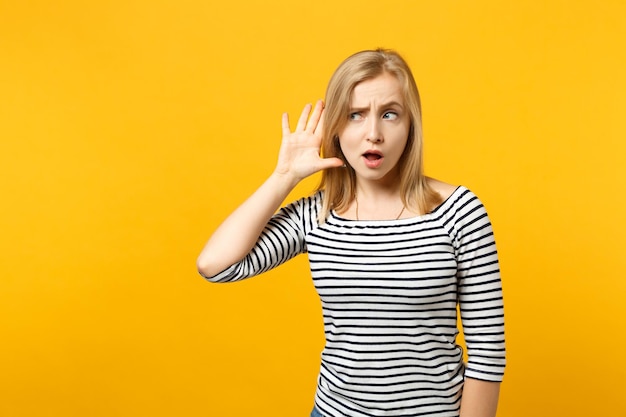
x=332, y=163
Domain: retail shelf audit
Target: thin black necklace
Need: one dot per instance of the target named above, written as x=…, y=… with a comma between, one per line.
x=357, y=209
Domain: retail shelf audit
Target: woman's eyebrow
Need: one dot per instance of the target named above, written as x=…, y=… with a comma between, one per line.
x=393, y=104
x=384, y=106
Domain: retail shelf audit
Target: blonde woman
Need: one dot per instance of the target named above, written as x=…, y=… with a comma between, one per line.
x=392, y=253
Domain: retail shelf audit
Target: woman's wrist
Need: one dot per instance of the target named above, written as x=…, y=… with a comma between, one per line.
x=285, y=180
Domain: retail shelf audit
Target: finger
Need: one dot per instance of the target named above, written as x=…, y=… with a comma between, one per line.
x=328, y=163
x=315, y=116
x=285, y=123
x=320, y=124
x=303, y=118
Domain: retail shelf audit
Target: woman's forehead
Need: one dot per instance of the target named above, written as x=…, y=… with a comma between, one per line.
x=383, y=89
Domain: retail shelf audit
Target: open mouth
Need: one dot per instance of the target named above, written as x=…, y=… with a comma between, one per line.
x=372, y=155
x=373, y=159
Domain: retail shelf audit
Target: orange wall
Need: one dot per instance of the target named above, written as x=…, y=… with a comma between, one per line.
x=129, y=129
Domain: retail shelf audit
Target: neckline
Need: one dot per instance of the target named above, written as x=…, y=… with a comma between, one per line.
x=459, y=188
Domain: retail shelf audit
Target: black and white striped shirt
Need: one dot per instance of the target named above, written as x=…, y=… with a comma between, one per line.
x=389, y=291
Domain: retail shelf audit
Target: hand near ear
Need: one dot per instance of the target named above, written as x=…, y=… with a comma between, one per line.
x=299, y=154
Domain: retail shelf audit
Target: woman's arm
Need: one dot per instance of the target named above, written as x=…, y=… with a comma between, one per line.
x=236, y=236
x=481, y=307
x=298, y=158
x=480, y=398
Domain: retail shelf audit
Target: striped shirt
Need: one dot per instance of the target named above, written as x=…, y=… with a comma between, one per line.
x=389, y=291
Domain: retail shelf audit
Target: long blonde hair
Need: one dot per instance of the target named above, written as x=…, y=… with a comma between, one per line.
x=339, y=184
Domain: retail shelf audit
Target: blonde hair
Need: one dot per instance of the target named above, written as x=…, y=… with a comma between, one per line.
x=339, y=184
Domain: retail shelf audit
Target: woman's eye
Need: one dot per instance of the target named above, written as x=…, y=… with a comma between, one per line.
x=355, y=116
x=390, y=115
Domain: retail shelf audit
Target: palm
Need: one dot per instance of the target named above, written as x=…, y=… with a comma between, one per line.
x=300, y=150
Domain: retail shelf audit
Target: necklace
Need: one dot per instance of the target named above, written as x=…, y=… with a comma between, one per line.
x=357, y=209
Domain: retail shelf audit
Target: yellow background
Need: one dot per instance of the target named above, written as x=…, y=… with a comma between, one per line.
x=129, y=129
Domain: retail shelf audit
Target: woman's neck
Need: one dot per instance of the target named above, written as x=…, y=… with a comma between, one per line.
x=373, y=202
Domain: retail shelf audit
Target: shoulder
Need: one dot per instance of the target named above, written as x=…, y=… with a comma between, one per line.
x=462, y=213
x=457, y=201
x=444, y=189
x=303, y=210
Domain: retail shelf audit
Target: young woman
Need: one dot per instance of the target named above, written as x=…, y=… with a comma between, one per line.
x=392, y=253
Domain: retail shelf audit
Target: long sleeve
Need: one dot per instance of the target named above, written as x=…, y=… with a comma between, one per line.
x=282, y=239
x=479, y=290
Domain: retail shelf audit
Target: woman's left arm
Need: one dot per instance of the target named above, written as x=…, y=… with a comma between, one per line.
x=480, y=398
x=481, y=307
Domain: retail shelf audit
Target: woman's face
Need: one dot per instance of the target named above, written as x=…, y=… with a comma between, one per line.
x=377, y=129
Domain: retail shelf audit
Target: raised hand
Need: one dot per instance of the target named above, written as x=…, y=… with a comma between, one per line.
x=298, y=158
x=299, y=154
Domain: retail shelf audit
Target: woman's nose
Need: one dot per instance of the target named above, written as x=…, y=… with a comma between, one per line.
x=374, y=134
